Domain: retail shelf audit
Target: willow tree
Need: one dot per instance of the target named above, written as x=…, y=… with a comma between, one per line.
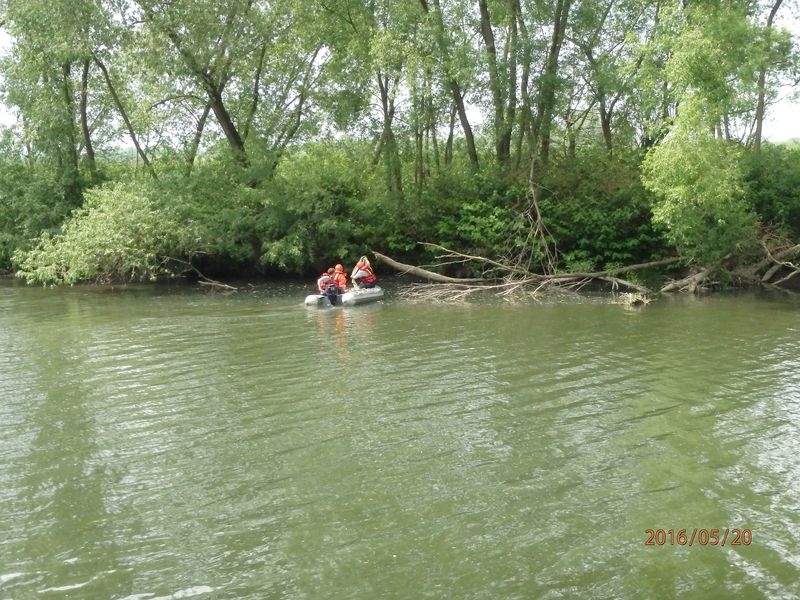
x=47, y=78
x=453, y=65
x=696, y=171
x=502, y=48
x=774, y=61
x=388, y=45
x=603, y=68
x=226, y=57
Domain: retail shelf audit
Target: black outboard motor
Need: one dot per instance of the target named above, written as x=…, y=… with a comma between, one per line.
x=332, y=292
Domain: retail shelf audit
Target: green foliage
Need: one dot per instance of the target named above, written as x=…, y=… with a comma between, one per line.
x=773, y=186
x=32, y=200
x=599, y=214
x=709, y=63
x=217, y=211
x=699, y=182
x=121, y=233
x=477, y=213
x=234, y=104
x=311, y=215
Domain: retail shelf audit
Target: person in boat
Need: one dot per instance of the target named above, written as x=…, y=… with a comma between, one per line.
x=339, y=278
x=363, y=276
x=325, y=280
x=327, y=286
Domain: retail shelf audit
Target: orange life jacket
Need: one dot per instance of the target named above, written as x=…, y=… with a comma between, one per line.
x=340, y=279
x=363, y=265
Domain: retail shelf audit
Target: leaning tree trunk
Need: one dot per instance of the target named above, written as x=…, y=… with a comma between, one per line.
x=124, y=115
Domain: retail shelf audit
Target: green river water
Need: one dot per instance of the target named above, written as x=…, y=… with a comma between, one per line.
x=171, y=442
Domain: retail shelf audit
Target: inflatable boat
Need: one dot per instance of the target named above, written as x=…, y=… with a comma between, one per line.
x=354, y=297
x=357, y=295
x=362, y=295
x=323, y=300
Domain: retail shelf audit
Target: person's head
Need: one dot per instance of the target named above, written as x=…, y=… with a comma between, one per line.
x=340, y=268
x=331, y=271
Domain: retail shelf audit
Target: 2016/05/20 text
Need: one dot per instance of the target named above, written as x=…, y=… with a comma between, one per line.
x=701, y=537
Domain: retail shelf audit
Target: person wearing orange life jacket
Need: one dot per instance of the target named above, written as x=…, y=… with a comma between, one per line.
x=326, y=284
x=363, y=275
x=325, y=280
x=340, y=278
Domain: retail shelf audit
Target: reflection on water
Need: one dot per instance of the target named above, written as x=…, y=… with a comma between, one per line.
x=169, y=443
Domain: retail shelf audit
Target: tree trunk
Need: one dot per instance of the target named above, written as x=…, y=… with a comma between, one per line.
x=448, y=146
x=388, y=143
x=198, y=136
x=224, y=120
x=87, y=137
x=212, y=89
x=72, y=190
x=495, y=85
x=526, y=115
x=453, y=85
x=466, y=128
x=419, y=272
x=762, y=80
x=256, y=97
x=123, y=113
x=547, y=95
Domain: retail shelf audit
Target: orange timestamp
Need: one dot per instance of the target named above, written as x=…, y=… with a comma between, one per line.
x=699, y=537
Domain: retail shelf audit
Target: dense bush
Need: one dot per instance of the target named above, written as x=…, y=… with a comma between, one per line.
x=773, y=186
x=599, y=214
x=315, y=212
x=326, y=203
x=121, y=233
x=32, y=201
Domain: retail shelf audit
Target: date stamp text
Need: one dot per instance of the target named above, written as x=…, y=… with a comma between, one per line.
x=698, y=537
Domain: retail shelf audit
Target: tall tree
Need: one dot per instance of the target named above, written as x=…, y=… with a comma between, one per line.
x=775, y=51
x=449, y=66
x=204, y=35
x=47, y=79
x=502, y=70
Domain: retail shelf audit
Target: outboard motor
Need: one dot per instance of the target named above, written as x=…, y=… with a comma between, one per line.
x=332, y=292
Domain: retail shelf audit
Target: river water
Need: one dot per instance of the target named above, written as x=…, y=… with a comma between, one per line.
x=171, y=442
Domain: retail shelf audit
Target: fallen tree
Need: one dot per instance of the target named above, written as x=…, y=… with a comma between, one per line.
x=420, y=272
x=779, y=269
x=772, y=269
x=507, y=279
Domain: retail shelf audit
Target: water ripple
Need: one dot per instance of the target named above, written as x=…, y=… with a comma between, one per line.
x=180, y=445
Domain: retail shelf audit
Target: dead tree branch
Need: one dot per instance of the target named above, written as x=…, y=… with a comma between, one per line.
x=203, y=280
x=510, y=270
x=419, y=272
x=779, y=262
x=515, y=278
x=691, y=284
